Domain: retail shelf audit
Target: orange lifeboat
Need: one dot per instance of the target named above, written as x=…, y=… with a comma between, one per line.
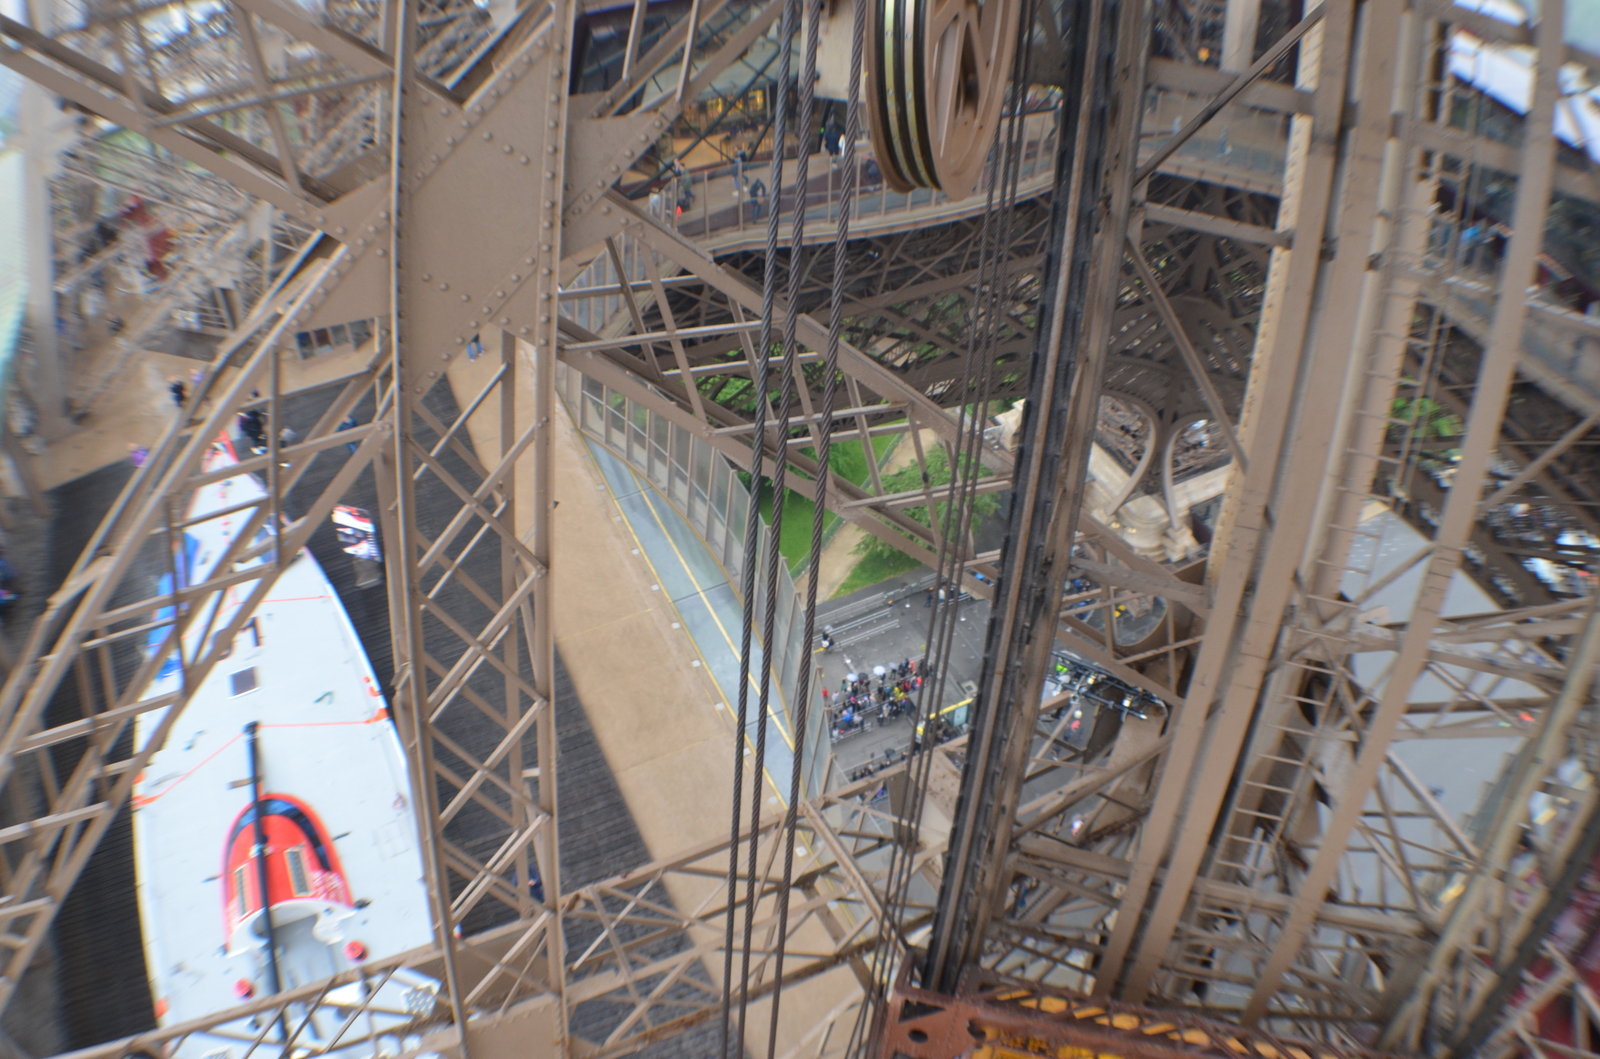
x=303, y=875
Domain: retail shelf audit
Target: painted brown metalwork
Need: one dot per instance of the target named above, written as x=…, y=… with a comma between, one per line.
x=991, y=1019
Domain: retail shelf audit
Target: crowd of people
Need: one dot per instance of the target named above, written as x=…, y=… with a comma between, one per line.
x=874, y=765
x=880, y=694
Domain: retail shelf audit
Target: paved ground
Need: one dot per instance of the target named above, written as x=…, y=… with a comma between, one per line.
x=886, y=624
x=707, y=606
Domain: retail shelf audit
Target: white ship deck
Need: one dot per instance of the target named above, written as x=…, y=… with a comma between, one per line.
x=325, y=740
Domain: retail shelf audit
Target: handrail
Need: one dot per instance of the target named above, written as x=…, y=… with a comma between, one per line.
x=722, y=216
x=1244, y=146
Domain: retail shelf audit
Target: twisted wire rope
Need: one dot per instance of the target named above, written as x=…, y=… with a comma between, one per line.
x=808, y=78
x=995, y=240
x=761, y=384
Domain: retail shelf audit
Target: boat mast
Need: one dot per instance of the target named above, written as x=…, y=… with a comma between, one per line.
x=260, y=855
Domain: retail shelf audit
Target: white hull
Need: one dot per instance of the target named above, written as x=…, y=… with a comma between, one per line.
x=325, y=740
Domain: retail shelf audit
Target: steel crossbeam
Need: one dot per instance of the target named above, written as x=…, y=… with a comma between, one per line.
x=1201, y=855
x=649, y=948
x=1223, y=886
x=94, y=622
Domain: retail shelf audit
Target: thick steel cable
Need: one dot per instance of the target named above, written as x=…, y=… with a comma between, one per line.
x=1084, y=32
x=769, y=283
x=995, y=240
x=780, y=483
x=802, y=704
x=761, y=384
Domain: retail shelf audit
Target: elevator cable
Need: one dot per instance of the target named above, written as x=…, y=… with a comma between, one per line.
x=996, y=239
x=731, y=1031
x=951, y=527
x=824, y=443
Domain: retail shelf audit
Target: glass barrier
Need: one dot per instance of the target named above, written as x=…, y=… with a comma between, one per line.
x=707, y=491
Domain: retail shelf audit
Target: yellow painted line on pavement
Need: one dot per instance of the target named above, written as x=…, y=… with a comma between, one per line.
x=776, y=719
x=777, y=791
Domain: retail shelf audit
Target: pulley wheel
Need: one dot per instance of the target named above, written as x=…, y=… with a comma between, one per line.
x=937, y=75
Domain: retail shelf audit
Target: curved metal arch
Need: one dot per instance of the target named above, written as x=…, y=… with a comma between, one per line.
x=1232, y=390
x=1167, y=482
x=1153, y=418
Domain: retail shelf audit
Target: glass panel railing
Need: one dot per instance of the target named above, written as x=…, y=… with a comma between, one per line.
x=689, y=466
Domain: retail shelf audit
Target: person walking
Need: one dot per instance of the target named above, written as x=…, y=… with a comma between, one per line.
x=179, y=390
x=348, y=423
x=252, y=427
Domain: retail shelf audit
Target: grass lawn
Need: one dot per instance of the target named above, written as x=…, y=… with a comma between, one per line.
x=849, y=461
x=880, y=560
x=874, y=567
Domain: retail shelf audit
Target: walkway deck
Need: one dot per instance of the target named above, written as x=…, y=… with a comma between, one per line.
x=706, y=606
x=632, y=662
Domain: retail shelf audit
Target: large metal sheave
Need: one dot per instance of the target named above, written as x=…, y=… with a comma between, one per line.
x=1275, y=281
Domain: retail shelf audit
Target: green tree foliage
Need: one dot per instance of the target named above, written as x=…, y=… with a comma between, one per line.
x=879, y=554
x=849, y=461
x=1428, y=418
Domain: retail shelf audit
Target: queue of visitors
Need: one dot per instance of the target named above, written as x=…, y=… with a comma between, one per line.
x=881, y=694
x=874, y=765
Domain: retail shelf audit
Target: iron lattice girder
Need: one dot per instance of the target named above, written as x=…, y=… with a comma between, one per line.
x=1211, y=928
x=911, y=296
x=1483, y=429
x=645, y=350
x=434, y=595
x=1063, y=864
x=1080, y=281
x=298, y=158
x=645, y=382
x=515, y=954
x=911, y=299
x=53, y=849
x=99, y=615
x=199, y=246
x=996, y=1019
x=650, y=942
x=933, y=377
x=1559, y=484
